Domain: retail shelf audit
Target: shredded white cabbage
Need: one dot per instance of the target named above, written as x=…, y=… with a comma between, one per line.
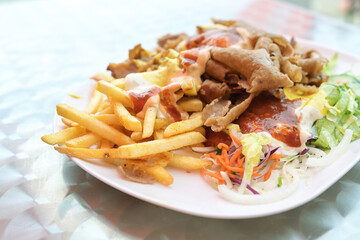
x=268, y=197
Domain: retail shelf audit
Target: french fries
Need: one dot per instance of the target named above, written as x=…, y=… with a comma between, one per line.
x=63, y=135
x=188, y=163
x=191, y=104
x=183, y=126
x=159, y=134
x=161, y=174
x=160, y=145
x=120, y=83
x=95, y=102
x=105, y=144
x=142, y=145
x=83, y=141
x=136, y=136
x=149, y=122
x=161, y=159
x=160, y=123
x=92, y=124
x=136, y=150
x=110, y=119
x=69, y=123
x=114, y=93
x=140, y=170
x=128, y=121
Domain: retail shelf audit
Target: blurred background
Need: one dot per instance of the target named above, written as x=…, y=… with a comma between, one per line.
x=345, y=10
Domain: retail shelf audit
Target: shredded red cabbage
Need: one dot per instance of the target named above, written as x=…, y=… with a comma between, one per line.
x=231, y=151
x=303, y=151
x=268, y=154
x=247, y=185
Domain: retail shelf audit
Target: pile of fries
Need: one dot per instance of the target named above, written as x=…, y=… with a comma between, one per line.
x=108, y=130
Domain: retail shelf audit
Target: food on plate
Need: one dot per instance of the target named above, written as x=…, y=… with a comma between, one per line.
x=251, y=110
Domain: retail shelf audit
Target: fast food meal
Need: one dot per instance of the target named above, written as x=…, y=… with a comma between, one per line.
x=252, y=111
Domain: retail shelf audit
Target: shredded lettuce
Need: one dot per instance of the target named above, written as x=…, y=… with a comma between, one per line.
x=344, y=112
x=252, y=144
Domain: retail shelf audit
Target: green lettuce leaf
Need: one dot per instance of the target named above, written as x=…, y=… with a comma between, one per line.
x=344, y=97
x=252, y=144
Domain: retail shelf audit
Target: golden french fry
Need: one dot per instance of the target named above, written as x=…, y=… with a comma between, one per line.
x=198, y=145
x=103, y=105
x=107, y=110
x=110, y=119
x=161, y=159
x=120, y=83
x=190, y=104
x=183, y=126
x=93, y=124
x=63, y=135
x=85, y=153
x=141, y=171
x=114, y=93
x=188, y=163
x=161, y=174
x=149, y=121
x=161, y=145
x=128, y=121
x=200, y=130
x=94, y=102
x=195, y=115
x=84, y=141
x=69, y=123
x=158, y=134
x=105, y=144
x=160, y=123
x=136, y=136
x=136, y=150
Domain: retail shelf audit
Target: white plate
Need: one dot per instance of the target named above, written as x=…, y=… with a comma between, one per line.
x=191, y=194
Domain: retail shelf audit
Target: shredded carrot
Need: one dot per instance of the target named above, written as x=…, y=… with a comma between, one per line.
x=230, y=174
x=256, y=175
x=214, y=175
x=234, y=166
x=236, y=155
x=272, y=167
x=223, y=146
x=276, y=156
x=225, y=156
x=235, y=139
x=240, y=162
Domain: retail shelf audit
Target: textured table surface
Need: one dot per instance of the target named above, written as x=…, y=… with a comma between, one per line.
x=48, y=48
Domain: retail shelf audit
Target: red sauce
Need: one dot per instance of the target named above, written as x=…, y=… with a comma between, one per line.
x=215, y=37
x=172, y=110
x=214, y=138
x=140, y=97
x=168, y=100
x=275, y=116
